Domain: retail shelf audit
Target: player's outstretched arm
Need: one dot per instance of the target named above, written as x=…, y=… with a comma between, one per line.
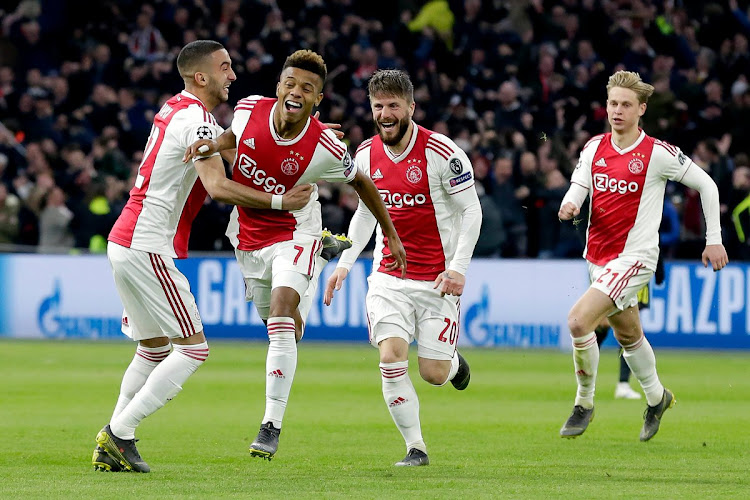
x=698, y=179
x=334, y=283
x=371, y=197
x=220, y=188
x=206, y=147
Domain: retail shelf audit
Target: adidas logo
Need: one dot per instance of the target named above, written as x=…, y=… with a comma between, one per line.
x=276, y=373
x=601, y=163
x=377, y=175
x=249, y=142
x=398, y=401
x=125, y=321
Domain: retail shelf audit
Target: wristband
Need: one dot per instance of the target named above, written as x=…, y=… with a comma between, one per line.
x=276, y=201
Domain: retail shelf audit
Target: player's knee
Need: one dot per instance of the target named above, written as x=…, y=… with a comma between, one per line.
x=434, y=373
x=577, y=327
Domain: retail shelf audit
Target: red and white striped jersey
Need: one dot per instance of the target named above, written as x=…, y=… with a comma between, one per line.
x=267, y=162
x=626, y=187
x=426, y=189
x=167, y=194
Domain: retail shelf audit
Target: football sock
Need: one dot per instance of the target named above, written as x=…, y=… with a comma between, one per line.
x=453, y=370
x=641, y=360
x=164, y=383
x=402, y=401
x=144, y=362
x=586, y=362
x=281, y=363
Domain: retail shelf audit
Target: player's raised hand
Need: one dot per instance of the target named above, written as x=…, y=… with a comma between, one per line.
x=333, y=126
x=450, y=283
x=716, y=255
x=203, y=147
x=334, y=283
x=399, y=255
x=568, y=211
x=297, y=197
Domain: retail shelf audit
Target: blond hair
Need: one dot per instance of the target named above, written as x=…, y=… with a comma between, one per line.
x=631, y=80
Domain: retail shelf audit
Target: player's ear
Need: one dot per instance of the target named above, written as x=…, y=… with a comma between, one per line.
x=318, y=99
x=200, y=79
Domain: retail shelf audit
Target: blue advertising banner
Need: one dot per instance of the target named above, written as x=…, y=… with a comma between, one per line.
x=506, y=303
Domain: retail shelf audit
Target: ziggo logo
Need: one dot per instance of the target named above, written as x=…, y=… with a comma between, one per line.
x=399, y=200
x=603, y=182
x=260, y=178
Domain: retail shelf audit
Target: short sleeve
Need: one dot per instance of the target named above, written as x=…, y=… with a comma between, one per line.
x=193, y=124
x=336, y=162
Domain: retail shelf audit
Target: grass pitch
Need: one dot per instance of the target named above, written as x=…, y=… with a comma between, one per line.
x=497, y=439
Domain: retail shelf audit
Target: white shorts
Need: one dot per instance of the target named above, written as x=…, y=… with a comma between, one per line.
x=621, y=279
x=156, y=296
x=287, y=263
x=412, y=310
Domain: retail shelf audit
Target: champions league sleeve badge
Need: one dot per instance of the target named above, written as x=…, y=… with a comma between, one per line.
x=456, y=166
x=204, y=132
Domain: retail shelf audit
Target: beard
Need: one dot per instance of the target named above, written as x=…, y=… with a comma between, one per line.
x=402, y=126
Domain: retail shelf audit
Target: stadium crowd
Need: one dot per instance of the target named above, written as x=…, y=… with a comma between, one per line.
x=519, y=85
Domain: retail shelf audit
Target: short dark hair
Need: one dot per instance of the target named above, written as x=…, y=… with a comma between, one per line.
x=391, y=82
x=193, y=54
x=308, y=61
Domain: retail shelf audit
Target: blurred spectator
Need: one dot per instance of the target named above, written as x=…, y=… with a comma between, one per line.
x=54, y=222
x=505, y=79
x=9, y=207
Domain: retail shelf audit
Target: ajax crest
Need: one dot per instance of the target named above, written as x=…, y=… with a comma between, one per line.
x=289, y=166
x=635, y=166
x=413, y=174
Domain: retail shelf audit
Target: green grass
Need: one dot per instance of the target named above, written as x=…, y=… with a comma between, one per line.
x=498, y=439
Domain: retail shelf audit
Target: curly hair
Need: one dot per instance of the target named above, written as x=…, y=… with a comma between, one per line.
x=308, y=61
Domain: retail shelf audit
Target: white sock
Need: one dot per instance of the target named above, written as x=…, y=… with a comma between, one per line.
x=642, y=362
x=281, y=363
x=305, y=302
x=586, y=362
x=144, y=362
x=164, y=383
x=453, y=370
x=402, y=401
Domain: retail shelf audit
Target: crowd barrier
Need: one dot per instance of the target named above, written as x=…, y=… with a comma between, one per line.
x=506, y=303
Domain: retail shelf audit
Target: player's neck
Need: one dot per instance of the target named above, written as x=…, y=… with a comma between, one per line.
x=204, y=97
x=284, y=129
x=625, y=138
x=404, y=142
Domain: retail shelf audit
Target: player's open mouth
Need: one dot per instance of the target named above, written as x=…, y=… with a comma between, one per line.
x=292, y=106
x=388, y=125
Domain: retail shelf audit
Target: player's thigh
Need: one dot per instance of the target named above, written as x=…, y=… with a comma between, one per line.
x=437, y=324
x=390, y=313
x=293, y=263
x=255, y=267
x=620, y=279
x=155, y=294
